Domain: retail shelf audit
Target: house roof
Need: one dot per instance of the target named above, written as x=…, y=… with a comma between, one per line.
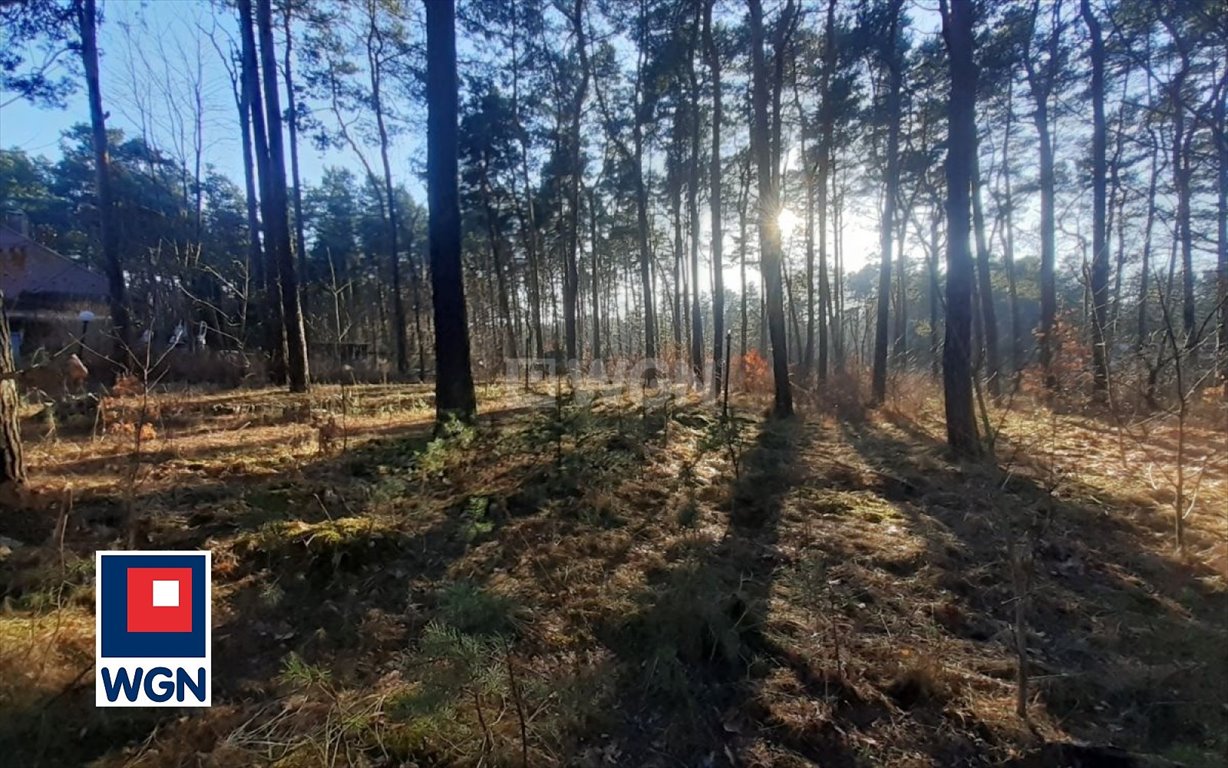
x=29, y=268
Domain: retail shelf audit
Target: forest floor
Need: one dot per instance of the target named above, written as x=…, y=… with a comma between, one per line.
x=601, y=582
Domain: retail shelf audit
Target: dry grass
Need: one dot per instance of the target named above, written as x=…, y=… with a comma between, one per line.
x=588, y=583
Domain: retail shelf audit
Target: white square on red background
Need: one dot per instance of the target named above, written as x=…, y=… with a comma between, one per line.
x=165, y=594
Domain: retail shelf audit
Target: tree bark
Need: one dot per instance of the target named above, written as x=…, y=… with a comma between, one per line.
x=1041, y=85
x=769, y=212
x=300, y=238
x=279, y=226
x=1221, y=260
x=1007, y=213
x=882, y=332
x=957, y=29
x=571, y=271
x=696, y=130
x=375, y=45
x=989, y=315
x=454, y=395
x=714, y=182
x=827, y=127
x=596, y=280
x=12, y=458
x=274, y=337
x=1100, y=240
x=255, y=254
x=1183, y=173
x=87, y=23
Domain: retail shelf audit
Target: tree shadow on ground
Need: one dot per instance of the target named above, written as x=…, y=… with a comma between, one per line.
x=1126, y=642
x=326, y=561
x=346, y=578
x=695, y=651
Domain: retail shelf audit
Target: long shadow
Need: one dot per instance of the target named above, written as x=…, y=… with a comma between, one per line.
x=306, y=579
x=342, y=587
x=695, y=655
x=1129, y=643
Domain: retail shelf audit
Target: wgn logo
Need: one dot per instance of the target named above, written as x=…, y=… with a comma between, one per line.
x=153, y=639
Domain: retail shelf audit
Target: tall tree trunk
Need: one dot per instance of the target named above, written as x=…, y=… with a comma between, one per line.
x=1221, y=260
x=454, y=394
x=596, y=278
x=696, y=130
x=1100, y=240
x=12, y=458
x=808, y=180
x=507, y=338
x=899, y=348
x=87, y=24
x=1141, y=329
x=528, y=214
x=882, y=332
x=1041, y=84
x=375, y=44
x=935, y=292
x=415, y=288
x=769, y=212
x=255, y=255
x=274, y=336
x=571, y=271
x=1182, y=176
x=961, y=146
x=1007, y=212
x=743, y=246
x=827, y=126
x=678, y=298
x=296, y=342
x=300, y=239
x=714, y=195
x=988, y=315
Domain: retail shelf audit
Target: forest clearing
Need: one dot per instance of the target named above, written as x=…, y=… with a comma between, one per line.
x=614, y=383
x=590, y=581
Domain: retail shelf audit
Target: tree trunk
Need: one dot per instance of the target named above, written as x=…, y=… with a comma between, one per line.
x=300, y=239
x=596, y=278
x=12, y=459
x=571, y=272
x=527, y=216
x=988, y=316
x=1007, y=212
x=375, y=71
x=827, y=122
x=935, y=290
x=696, y=130
x=274, y=337
x=454, y=394
x=507, y=338
x=899, y=349
x=1141, y=329
x=1221, y=261
x=714, y=184
x=255, y=255
x=743, y=243
x=882, y=333
x=769, y=212
x=279, y=226
x=961, y=146
x=87, y=21
x=1041, y=84
x=1182, y=176
x=1100, y=243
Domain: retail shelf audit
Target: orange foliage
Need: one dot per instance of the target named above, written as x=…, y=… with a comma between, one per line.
x=756, y=374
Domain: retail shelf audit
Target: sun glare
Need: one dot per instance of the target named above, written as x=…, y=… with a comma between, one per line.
x=788, y=221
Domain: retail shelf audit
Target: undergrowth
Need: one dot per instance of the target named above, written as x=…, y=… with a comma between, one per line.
x=592, y=580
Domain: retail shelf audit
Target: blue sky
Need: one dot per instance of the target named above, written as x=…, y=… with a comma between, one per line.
x=139, y=37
